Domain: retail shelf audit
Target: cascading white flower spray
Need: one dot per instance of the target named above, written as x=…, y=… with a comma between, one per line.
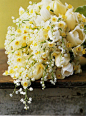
x=46, y=45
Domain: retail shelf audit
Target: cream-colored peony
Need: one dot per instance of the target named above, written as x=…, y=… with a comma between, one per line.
x=67, y=70
x=45, y=14
x=61, y=61
x=57, y=7
x=38, y=20
x=76, y=36
x=71, y=19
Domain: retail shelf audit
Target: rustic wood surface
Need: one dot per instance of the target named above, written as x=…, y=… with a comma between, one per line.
x=68, y=97
x=51, y=101
x=79, y=78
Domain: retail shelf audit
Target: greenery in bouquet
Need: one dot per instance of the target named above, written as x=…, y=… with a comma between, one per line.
x=47, y=44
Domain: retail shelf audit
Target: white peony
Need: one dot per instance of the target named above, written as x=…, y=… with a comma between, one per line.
x=71, y=19
x=45, y=14
x=57, y=7
x=61, y=61
x=76, y=36
x=67, y=70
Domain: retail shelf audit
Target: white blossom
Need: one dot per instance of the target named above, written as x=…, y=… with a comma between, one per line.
x=45, y=45
x=67, y=70
x=11, y=95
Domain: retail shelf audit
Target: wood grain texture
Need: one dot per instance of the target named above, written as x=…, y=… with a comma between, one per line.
x=51, y=101
x=77, y=79
x=67, y=97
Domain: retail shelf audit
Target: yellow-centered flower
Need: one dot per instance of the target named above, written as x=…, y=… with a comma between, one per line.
x=25, y=31
x=25, y=84
x=54, y=19
x=68, y=45
x=18, y=59
x=45, y=35
x=37, y=53
x=35, y=44
x=78, y=49
x=15, y=67
x=6, y=72
x=11, y=71
x=17, y=43
x=70, y=6
x=58, y=76
x=26, y=75
x=24, y=37
x=60, y=24
x=50, y=44
x=18, y=30
x=14, y=77
x=48, y=27
x=24, y=44
x=79, y=15
x=30, y=22
x=31, y=11
x=63, y=34
x=18, y=54
x=27, y=26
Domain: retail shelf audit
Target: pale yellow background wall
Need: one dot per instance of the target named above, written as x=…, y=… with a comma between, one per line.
x=10, y=8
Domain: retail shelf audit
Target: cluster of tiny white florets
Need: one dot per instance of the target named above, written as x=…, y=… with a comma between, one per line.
x=46, y=45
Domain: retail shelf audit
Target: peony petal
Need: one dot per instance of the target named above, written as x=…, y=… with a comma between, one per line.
x=71, y=19
x=45, y=14
x=60, y=61
x=76, y=36
x=67, y=70
x=57, y=7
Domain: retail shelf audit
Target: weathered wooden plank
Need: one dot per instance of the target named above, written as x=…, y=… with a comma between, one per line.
x=3, y=67
x=78, y=80
x=51, y=101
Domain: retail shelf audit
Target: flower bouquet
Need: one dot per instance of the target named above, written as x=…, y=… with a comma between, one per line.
x=47, y=44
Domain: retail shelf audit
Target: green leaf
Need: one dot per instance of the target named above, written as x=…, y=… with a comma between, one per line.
x=81, y=10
